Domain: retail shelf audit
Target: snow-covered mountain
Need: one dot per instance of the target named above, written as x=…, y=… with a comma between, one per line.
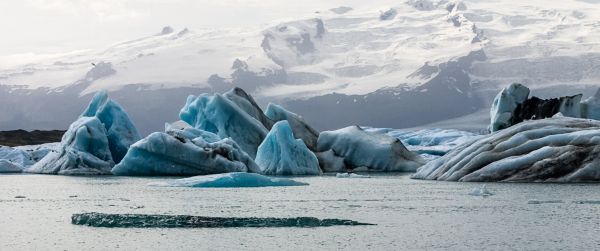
x=405, y=65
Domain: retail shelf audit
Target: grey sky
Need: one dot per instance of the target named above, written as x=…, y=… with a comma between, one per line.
x=53, y=26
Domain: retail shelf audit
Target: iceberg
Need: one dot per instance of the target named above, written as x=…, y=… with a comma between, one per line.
x=185, y=152
x=351, y=175
x=505, y=104
x=590, y=108
x=369, y=150
x=9, y=167
x=300, y=128
x=480, y=191
x=229, y=116
x=236, y=179
x=190, y=221
x=550, y=150
x=84, y=150
x=281, y=154
x=38, y=152
x=120, y=130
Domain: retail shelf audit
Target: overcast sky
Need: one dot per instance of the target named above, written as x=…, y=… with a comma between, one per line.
x=57, y=26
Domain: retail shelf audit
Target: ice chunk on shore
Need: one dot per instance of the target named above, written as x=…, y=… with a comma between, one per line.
x=548, y=150
x=234, y=117
x=176, y=153
x=237, y=179
x=300, y=128
x=120, y=131
x=282, y=154
x=374, y=151
x=84, y=150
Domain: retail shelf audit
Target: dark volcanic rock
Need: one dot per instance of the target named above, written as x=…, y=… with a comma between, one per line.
x=22, y=137
x=189, y=221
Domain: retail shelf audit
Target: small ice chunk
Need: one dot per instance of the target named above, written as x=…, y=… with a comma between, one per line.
x=238, y=179
x=351, y=175
x=480, y=191
x=537, y=202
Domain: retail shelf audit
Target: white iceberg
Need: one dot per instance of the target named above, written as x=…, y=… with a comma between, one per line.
x=237, y=179
x=369, y=150
x=504, y=105
x=281, y=154
x=548, y=150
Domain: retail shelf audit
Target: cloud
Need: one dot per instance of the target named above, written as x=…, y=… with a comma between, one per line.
x=102, y=10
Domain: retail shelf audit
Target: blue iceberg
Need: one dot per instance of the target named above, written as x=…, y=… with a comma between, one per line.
x=184, y=152
x=504, y=105
x=300, y=128
x=282, y=154
x=230, y=115
x=84, y=150
x=590, y=108
x=120, y=130
x=366, y=151
x=237, y=179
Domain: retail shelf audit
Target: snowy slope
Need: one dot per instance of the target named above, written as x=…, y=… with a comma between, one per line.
x=465, y=50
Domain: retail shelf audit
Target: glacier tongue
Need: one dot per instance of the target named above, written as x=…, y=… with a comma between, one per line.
x=281, y=154
x=84, y=150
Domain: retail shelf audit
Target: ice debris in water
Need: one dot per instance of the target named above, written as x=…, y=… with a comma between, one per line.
x=237, y=179
x=189, y=221
x=480, y=191
x=351, y=175
x=536, y=202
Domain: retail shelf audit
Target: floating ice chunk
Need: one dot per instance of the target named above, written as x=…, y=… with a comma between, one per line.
x=174, y=153
x=9, y=167
x=548, y=150
x=596, y=202
x=237, y=179
x=590, y=108
x=230, y=115
x=189, y=221
x=375, y=151
x=504, y=105
x=281, y=154
x=84, y=150
x=351, y=175
x=537, y=202
x=300, y=128
x=120, y=131
x=480, y=191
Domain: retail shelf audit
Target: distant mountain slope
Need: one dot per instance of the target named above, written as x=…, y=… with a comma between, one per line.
x=413, y=63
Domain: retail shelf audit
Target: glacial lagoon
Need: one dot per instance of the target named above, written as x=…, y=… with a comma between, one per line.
x=408, y=214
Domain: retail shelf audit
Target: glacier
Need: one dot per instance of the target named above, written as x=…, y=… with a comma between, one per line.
x=281, y=154
x=560, y=149
x=235, y=179
x=229, y=115
x=430, y=143
x=184, y=152
x=83, y=150
x=299, y=127
x=368, y=151
x=120, y=131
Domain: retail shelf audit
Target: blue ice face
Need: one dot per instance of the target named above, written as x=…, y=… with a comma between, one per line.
x=177, y=153
x=237, y=179
x=299, y=127
x=84, y=150
x=120, y=131
x=223, y=117
x=282, y=154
